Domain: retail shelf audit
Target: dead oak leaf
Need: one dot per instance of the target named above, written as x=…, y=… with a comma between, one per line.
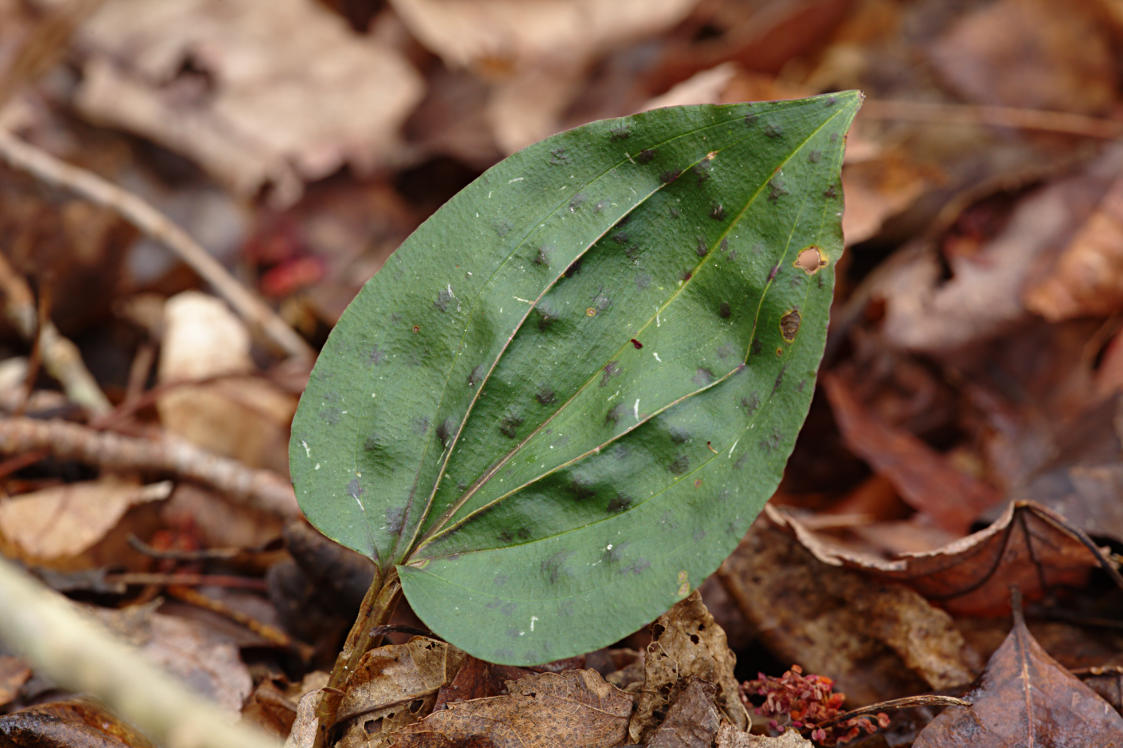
x=1026, y=698
x=575, y=708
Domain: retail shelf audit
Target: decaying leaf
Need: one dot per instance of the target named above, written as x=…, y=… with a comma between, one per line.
x=1028, y=546
x=58, y=526
x=574, y=708
x=1026, y=698
x=686, y=644
x=13, y=674
x=693, y=719
x=729, y=736
x=923, y=477
x=237, y=415
x=203, y=78
x=876, y=641
x=393, y=686
x=62, y=724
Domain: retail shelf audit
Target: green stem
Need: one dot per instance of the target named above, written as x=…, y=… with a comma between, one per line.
x=377, y=607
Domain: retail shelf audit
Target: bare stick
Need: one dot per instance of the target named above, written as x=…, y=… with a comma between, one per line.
x=262, y=489
x=1040, y=120
x=25, y=157
x=57, y=640
x=60, y=356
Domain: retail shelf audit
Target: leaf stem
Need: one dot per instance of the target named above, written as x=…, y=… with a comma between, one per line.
x=375, y=610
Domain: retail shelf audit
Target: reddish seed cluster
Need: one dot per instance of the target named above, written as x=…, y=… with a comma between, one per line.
x=804, y=701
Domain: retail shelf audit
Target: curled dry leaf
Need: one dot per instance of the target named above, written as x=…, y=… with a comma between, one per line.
x=1026, y=698
x=575, y=708
x=692, y=720
x=204, y=79
x=875, y=640
x=923, y=477
x=62, y=526
x=1028, y=546
x=394, y=686
x=686, y=643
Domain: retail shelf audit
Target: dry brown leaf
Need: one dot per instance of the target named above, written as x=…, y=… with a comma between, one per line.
x=1036, y=54
x=1028, y=546
x=13, y=674
x=876, y=641
x=692, y=721
x=204, y=78
x=923, y=477
x=575, y=708
x=73, y=724
x=879, y=186
x=1087, y=279
x=194, y=652
x=393, y=686
x=1026, y=698
x=239, y=416
x=505, y=35
x=685, y=642
x=729, y=736
x=58, y=526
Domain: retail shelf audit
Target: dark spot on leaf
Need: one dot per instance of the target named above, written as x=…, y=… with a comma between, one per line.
x=444, y=296
x=639, y=566
x=645, y=155
x=577, y=201
x=779, y=378
x=619, y=503
x=554, y=567
x=376, y=355
x=668, y=176
x=476, y=376
x=678, y=434
x=702, y=376
x=830, y=192
x=615, y=413
x=581, y=488
x=636, y=344
x=395, y=516
x=505, y=536
x=558, y=157
x=523, y=533
x=545, y=318
x=750, y=119
x=416, y=328
x=620, y=237
x=372, y=443
x=503, y=228
x=619, y=132
x=724, y=310
x=772, y=273
x=773, y=130
x=679, y=465
x=421, y=424
x=776, y=189
x=717, y=212
x=789, y=325
x=702, y=170
x=331, y=416
x=750, y=403
x=687, y=275
x=632, y=251
x=445, y=431
x=545, y=396
x=756, y=347
x=726, y=350
x=573, y=269
x=611, y=369
x=509, y=425
x=814, y=156
x=702, y=247
x=543, y=256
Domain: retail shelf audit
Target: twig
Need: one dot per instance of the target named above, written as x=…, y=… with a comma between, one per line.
x=262, y=489
x=907, y=702
x=58, y=641
x=25, y=157
x=271, y=634
x=60, y=356
x=1040, y=120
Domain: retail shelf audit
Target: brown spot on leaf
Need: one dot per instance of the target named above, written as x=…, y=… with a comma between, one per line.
x=810, y=260
x=789, y=325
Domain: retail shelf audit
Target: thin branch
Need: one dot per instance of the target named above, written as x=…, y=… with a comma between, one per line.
x=1039, y=120
x=261, y=489
x=25, y=157
x=60, y=356
x=907, y=702
x=58, y=641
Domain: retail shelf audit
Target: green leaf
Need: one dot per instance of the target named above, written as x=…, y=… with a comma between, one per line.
x=561, y=403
